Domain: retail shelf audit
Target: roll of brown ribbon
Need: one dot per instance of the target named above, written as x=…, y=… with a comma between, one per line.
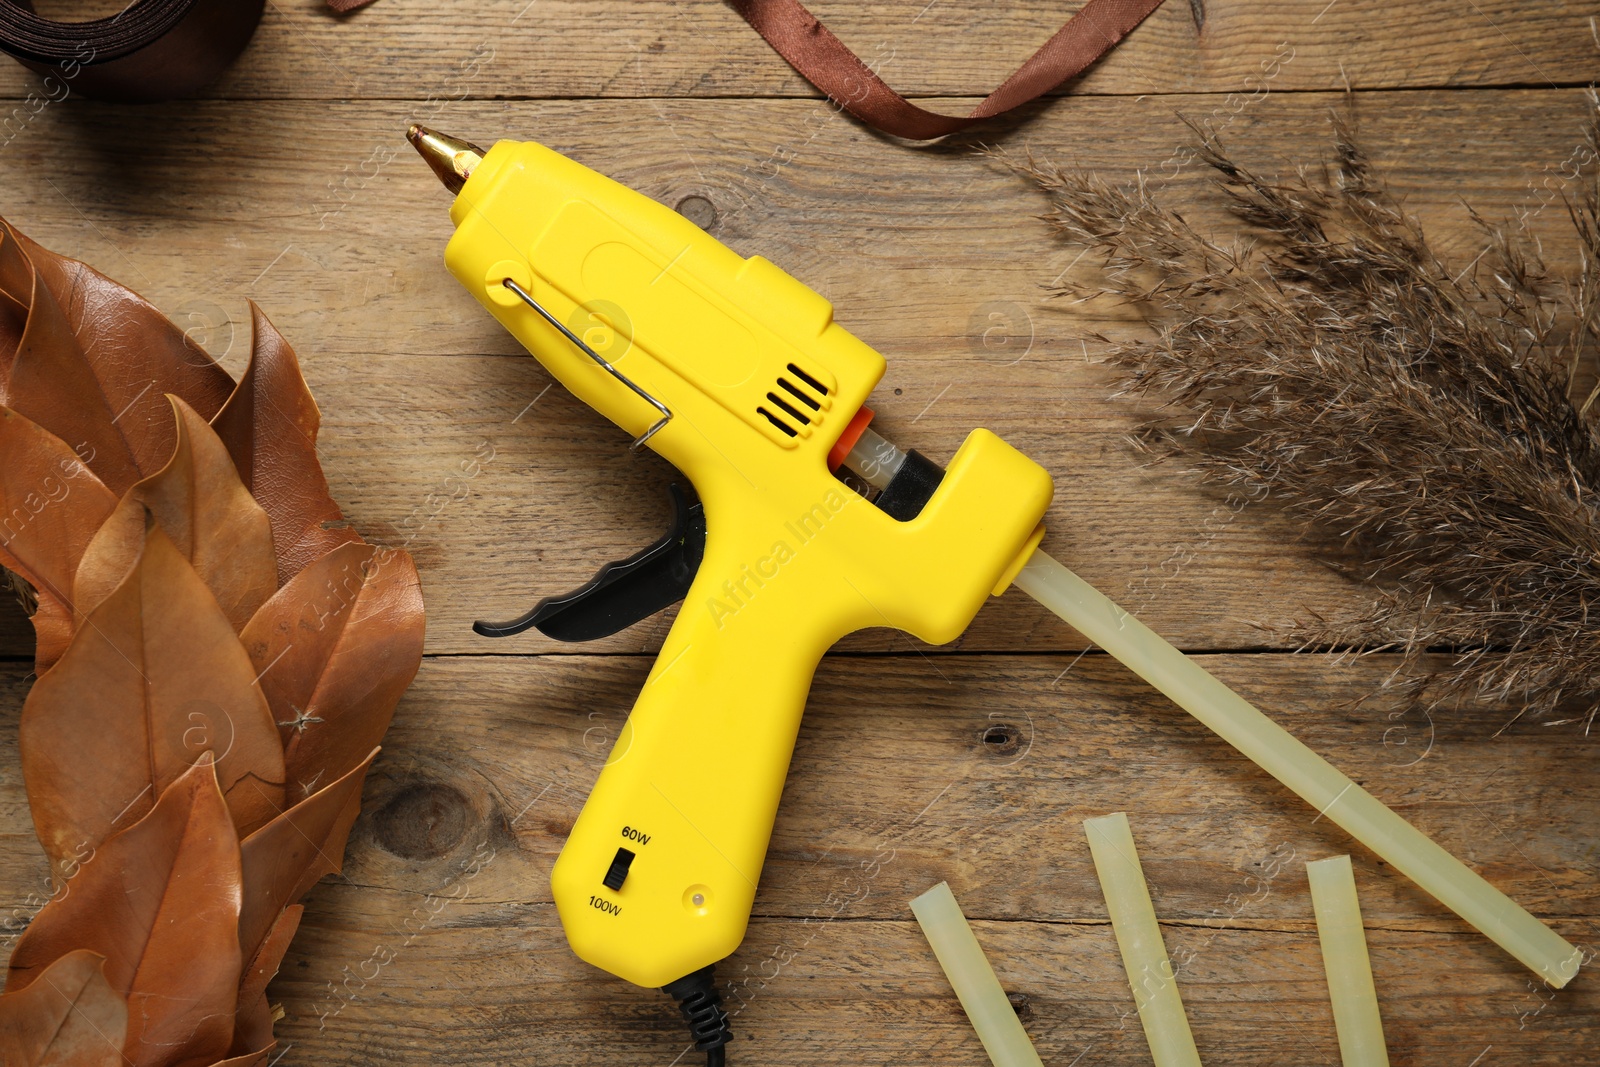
x=151, y=50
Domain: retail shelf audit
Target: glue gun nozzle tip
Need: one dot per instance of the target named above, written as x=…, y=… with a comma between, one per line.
x=452, y=159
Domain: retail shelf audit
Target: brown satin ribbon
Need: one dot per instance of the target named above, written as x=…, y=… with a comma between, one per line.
x=825, y=61
x=151, y=50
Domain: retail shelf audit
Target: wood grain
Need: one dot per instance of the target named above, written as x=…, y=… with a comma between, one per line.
x=980, y=772
x=288, y=184
x=939, y=265
x=555, y=49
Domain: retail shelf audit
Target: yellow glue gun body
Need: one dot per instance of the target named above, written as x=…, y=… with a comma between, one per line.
x=760, y=384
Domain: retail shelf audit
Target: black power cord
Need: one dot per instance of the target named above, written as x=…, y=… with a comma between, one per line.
x=701, y=1005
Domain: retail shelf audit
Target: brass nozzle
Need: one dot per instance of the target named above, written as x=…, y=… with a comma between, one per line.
x=451, y=158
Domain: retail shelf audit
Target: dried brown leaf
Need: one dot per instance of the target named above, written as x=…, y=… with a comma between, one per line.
x=292, y=853
x=335, y=649
x=160, y=901
x=148, y=744
x=270, y=427
x=154, y=678
x=94, y=362
x=16, y=286
x=202, y=506
x=50, y=380
x=50, y=506
x=68, y=1017
x=253, y=1021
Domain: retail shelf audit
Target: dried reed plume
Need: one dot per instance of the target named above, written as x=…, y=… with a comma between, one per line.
x=1425, y=415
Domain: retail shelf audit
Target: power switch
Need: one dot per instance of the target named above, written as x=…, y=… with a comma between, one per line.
x=619, y=869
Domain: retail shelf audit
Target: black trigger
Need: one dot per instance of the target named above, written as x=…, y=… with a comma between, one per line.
x=624, y=592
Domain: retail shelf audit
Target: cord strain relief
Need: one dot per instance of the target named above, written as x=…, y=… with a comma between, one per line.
x=701, y=1005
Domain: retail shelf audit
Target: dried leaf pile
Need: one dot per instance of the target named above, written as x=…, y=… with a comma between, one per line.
x=218, y=657
x=1433, y=416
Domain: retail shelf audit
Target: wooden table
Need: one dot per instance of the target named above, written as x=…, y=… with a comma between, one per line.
x=290, y=184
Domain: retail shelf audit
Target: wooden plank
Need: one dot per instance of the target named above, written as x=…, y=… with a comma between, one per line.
x=911, y=768
x=870, y=993
x=409, y=958
x=401, y=49
x=923, y=256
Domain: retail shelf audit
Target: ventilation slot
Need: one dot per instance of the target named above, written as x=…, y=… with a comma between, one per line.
x=808, y=379
x=779, y=423
x=789, y=409
x=796, y=403
x=799, y=394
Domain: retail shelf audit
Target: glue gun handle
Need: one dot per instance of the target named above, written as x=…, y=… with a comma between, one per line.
x=691, y=789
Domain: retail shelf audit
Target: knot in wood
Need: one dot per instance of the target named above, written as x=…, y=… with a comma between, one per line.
x=698, y=210
x=423, y=821
x=1001, y=739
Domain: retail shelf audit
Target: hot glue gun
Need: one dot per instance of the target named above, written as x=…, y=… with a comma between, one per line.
x=736, y=374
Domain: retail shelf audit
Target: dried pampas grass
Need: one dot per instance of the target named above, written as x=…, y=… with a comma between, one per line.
x=1429, y=416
